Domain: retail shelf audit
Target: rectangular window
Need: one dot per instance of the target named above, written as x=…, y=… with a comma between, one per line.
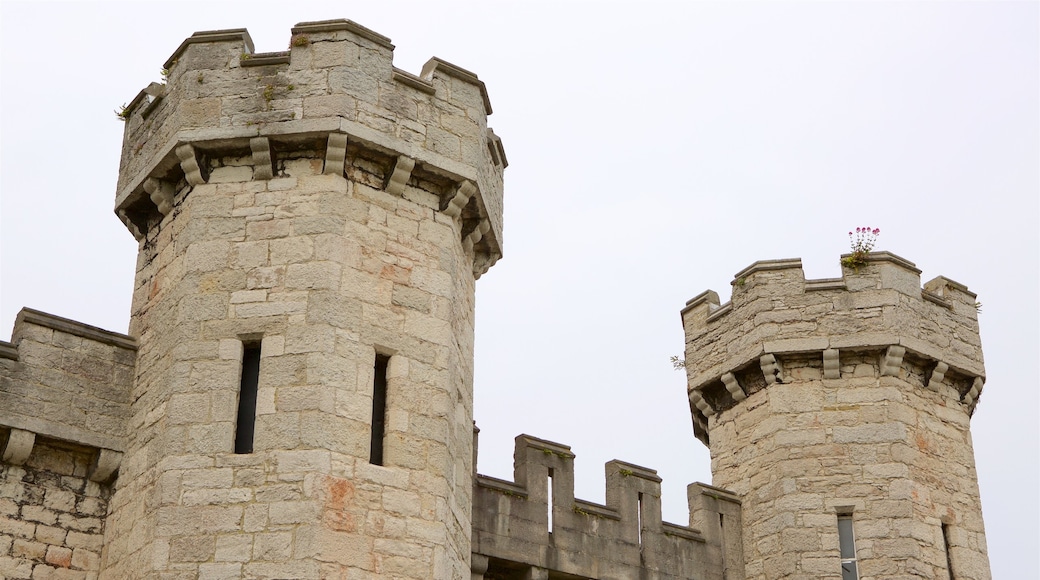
x=722, y=539
x=847, y=543
x=378, y=410
x=550, y=502
x=639, y=517
x=247, y=398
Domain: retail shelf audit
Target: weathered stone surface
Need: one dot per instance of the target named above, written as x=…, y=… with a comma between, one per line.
x=865, y=420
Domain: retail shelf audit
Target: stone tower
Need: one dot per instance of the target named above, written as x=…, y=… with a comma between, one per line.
x=838, y=411
x=311, y=224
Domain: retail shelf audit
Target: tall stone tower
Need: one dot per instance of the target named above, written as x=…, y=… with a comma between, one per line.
x=838, y=411
x=311, y=224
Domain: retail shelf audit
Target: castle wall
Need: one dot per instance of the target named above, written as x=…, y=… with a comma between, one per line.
x=51, y=514
x=64, y=393
x=844, y=397
x=66, y=380
x=625, y=538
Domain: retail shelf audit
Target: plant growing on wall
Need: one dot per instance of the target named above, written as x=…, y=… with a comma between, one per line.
x=862, y=242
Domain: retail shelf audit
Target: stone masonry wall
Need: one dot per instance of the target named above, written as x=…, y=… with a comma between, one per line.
x=326, y=272
x=849, y=396
x=51, y=514
x=623, y=539
x=64, y=390
x=66, y=380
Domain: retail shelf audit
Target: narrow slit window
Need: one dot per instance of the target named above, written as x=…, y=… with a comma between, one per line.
x=946, y=545
x=550, y=502
x=847, y=544
x=722, y=540
x=639, y=517
x=378, y=410
x=246, y=423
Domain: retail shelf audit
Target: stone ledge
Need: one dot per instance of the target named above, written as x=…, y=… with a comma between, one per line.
x=60, y=431
x=500, y=485
x=40, y=318
x=343, y=24
x=685, y=532
x=594, y=509
x=407, y=78
x=765, y=266
x=264, y=58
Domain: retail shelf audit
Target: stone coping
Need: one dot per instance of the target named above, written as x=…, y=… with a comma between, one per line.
x=226, y=35
x=54, y=322
x=558, y=449
x=343, y=24
x=435, y=65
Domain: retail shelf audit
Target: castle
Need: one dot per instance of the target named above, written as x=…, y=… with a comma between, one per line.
x=294, y=397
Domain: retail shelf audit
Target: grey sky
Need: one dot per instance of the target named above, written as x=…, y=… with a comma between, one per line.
x=655, y=149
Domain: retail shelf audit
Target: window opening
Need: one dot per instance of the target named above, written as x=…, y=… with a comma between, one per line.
x=946, y=545
x=378, y=410
x=847, y=544
x=246, y=424
x=722, y=544
x=639, y=518
x=550, y=496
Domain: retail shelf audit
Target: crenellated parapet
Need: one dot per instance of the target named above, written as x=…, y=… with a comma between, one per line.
x=333, y=97
x=536, y=522
x=65, y=383
x=878, y=310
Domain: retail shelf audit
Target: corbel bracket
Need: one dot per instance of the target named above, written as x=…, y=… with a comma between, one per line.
x=263, y=166
x=335, y=154
x=190, y=165
x=399, y=176
x=161, y=194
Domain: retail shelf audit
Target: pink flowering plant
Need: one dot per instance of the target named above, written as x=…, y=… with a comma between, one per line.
x=862, y=241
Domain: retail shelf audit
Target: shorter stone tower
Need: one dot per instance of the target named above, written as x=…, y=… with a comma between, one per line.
x=838, y=411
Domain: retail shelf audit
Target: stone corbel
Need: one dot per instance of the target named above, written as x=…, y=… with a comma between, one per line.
x=770, y=369
x=482, y=263
x=698, y=401
x=130, y=225
x=892, y=361
x=831, y=366
x=478, y=566
x=105, y=465
x=190, y=165
x=335, y=154
x=476, y=235
x=161, y=194
x=263, y=168
x=733, y=387
x=465, y=191
x=971, y=397
x=400, y=174
x=938, y=374
x=18, y=447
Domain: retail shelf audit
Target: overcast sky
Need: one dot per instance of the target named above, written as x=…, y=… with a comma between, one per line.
x=655, y=150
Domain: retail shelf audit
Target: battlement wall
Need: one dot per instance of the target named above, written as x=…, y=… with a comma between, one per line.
x=736, y=348
x=334, y=94
x=64, y=380
x=623, y=539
